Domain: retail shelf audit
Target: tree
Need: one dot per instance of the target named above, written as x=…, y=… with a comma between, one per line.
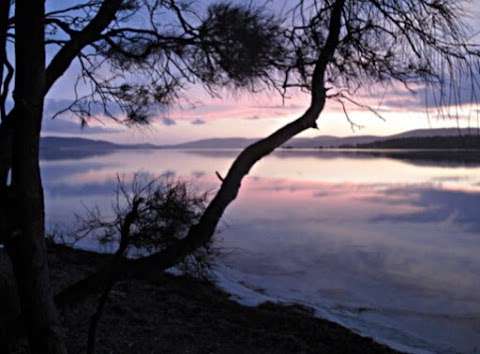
x=335, y=48
x=330, y=49
x=149, y=214
x=112, y=36
x=27, y=251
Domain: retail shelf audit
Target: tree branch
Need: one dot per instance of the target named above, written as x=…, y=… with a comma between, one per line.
x=62, y=60
x=203, y=231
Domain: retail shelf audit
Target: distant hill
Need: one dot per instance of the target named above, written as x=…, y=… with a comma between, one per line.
x=318, y=141
x=436, y=132
x=354, y=141
x=422, y=138
x=54, y=148
x=62, y=143
x=74, y=143
x=431, y=142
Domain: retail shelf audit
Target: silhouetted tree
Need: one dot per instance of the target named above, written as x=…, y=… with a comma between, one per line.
x=334, y=49
x=148, y=216
x=330, y=49
x=26, y=246
x=134, y=56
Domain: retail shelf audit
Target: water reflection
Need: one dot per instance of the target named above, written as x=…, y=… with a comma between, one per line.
x=435, y=158
x=385, y=246
x=433, y=206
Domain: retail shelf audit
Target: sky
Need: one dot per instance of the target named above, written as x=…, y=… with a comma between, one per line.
x=241, y=114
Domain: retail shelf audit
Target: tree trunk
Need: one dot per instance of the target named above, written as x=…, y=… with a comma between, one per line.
x=57, y=67
x=26, y=248
x=5, y=132
x=203, y=231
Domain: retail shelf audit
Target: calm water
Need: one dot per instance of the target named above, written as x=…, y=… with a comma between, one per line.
x=388, y=246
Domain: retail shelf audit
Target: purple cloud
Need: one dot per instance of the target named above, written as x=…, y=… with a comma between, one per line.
x=198, y=121
x=167, y=121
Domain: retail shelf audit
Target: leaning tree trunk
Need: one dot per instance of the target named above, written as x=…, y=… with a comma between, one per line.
x=26, y=248
x=203, y=231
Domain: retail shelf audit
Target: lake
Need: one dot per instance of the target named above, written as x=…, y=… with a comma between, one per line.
x=385, y=243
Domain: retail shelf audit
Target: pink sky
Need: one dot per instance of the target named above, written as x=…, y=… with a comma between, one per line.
x=256, y=115
x=248, y=115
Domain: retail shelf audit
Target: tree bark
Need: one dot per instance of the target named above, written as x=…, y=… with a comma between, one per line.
x=26, y=248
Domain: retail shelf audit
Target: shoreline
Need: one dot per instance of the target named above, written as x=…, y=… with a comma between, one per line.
x=178, y=314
